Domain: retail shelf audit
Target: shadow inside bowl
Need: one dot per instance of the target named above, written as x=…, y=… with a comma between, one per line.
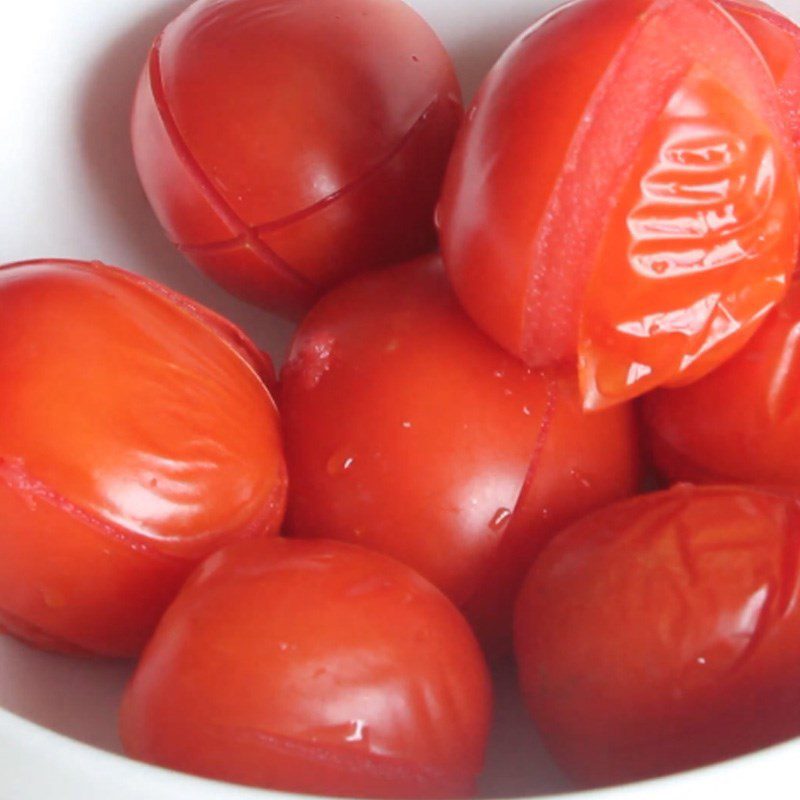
x=76, y=697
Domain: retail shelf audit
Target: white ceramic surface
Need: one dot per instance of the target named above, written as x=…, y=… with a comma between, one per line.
x=68, y=188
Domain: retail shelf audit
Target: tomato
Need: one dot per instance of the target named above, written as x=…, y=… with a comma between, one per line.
x=663, y=633
x=410, y=432
x=624, y=193
x=136, y=437
x=313, y=667
x=742, y=422
x=287, y=144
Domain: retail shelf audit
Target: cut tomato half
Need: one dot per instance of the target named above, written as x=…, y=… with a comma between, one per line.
x=624, y=193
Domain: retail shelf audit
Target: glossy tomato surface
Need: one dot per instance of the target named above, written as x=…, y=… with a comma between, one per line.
x=313, y=667
x=409, y=431
x=287, y=144
x=663, y=633
x=136, y=437
x=742, y=422
x=647, y=252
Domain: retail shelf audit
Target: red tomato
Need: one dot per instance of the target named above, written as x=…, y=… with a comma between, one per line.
x=286, y=144
x=742, y=422
x=410, y=432
x=136, y=437
x=624, y=194
x=313, y=667
x=664, y=632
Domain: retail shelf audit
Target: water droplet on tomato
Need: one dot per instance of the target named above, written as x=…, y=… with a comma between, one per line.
x=582, y=479
x=359, y=731
x=339, y=463
x=500, y=519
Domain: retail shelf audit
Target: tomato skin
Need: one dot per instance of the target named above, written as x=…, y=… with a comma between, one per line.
x=315, y=667
x=742, y=422
x=136, y=437
x=647, y=255
x=408, y=431
x=778, y=40
x=663, y=633
x=287, y=144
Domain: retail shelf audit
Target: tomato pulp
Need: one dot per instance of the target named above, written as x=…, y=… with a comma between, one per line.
x=663, y=633
x=314, y=667
x=136, y=437
x=624, y=194
x=287, y=144
x=409, y=431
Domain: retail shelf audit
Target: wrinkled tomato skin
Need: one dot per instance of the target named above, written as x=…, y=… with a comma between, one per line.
x=136, y=437
x=647, y=254
x=742, y=422
x=410, y=432
x=663, y=633
x=314, y=667
x=287, y=144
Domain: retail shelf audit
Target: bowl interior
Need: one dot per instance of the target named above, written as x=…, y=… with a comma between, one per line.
x=70, y=190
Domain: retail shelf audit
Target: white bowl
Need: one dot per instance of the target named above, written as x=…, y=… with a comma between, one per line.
x=68, y=188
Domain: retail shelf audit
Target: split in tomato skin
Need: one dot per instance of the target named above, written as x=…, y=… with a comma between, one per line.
x=741, y=423
x=136, y=437
x=314, y=667
x=409, y=431
x=649, y=252
x=663, y=633
x=287, y=144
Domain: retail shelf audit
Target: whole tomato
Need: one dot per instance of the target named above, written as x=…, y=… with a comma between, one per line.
x=136, y=437
x=624, y=192
x=410, y=432
x=313, y=667
x=663, y=633
x=287, y=144
x=741, y=423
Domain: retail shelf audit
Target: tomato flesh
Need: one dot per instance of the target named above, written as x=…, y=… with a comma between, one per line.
x=663, y=633
x=552, y=210
x=410, y=432
x=286, y=144
x=136, y=437
x=314, y=667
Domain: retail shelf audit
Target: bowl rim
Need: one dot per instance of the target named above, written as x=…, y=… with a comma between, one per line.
x=747, y=772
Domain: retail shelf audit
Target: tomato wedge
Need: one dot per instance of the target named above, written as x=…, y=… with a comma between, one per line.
x=624, y=193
